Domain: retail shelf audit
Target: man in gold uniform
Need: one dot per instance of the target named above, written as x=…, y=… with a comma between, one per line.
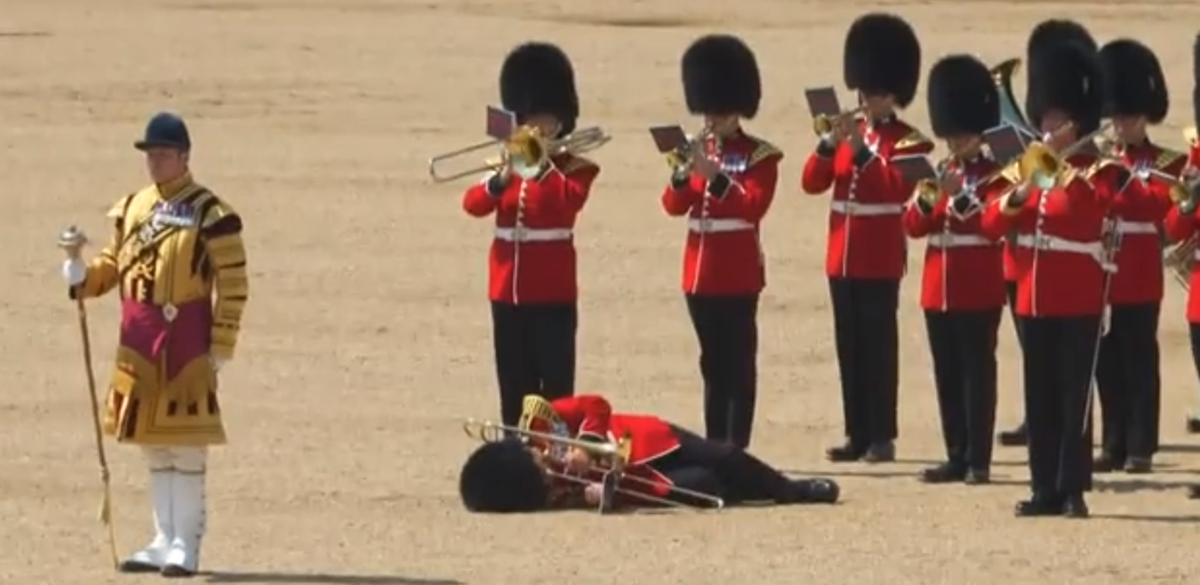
x=177, y=260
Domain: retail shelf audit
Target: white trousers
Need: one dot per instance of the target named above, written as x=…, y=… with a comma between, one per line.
x=184, y=459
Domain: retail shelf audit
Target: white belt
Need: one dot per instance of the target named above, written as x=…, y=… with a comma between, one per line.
x=1136, y=227
x=848, y=207
x=713, y=226
x=1057, y=244
x=524, y=234
x=1196, y=255
x=953, y=240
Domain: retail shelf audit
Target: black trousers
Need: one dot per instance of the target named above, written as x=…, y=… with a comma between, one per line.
x=1059, y=352
x=535, y=353
x=1194, y=330
x=864, y=322
x=724, y=470
x=963, y=344
x=1128, y=377
x=728, y=332
x=1010, y=287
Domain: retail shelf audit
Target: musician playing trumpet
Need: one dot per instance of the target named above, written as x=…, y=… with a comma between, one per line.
x=725, y=188
x=1061, y=272
x=866, y=248
x=1127, y=372
x=962, y=289
x=667, y=461
x=531, y=265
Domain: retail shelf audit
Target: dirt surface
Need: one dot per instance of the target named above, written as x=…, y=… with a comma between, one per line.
x=367, y=338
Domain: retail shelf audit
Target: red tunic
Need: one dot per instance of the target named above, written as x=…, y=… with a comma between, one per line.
x=723, y=255
x=1180, y=227
x=650, y=438
x=1059, y=272
x=532, y=258
x=963, y=267
x=1139, y=209
x=866, y=238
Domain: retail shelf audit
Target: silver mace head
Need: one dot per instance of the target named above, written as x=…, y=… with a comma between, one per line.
x=72, y=239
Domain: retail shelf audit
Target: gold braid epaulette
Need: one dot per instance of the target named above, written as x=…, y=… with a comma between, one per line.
x=762, y=151
x=1168, y=159
x=912, y=140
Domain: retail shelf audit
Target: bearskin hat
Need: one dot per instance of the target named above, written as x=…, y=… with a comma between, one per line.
x=537, y=78
x=502, y=477
x=882, y=55
x=1136, y=84
x=963, y=99
x=1069, y=77
x=1053, y=31
x=720, y=76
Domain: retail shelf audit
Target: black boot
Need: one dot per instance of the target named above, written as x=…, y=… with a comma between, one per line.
x=978, y=477
x=1194, y=492
x=1075, y=507
x=1107, y=461
x=1139, y=465
x=882, y=452
x=1193, y=424
x=811, y=491
x=845, y=452
x=1014, y=438
x=1040, y=505
x=944, y=473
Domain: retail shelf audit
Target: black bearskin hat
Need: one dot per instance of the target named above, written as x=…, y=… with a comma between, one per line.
x=502, y=477
x=1136, y=83
x=1068, y=77
x=720, y=76
x=963, y=99
x=1049, y=33
x=537, y=78
x=882, y=55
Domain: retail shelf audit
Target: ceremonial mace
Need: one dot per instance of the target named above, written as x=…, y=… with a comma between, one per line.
x=71, y=241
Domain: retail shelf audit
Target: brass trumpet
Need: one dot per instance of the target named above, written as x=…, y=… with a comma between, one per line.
x=823, y=124
x=526, y=150
x=1040, y=161
x=614, y=458
x=680, y=159
x=1179, y=259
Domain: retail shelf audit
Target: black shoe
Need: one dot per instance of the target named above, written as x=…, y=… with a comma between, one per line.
x=1075, y=507
x=1138, y=465
x=880, y=453
x=1194, y=492
x=1014, y=438
x=978, y=477
x=1107, y=462
x=129, y=566
x=816, y=491
x=1039, y=506
x=844, y=453
x=944, y=473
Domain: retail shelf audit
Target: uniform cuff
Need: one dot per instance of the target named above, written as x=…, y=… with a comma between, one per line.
x=496, y=185
x=826, y=149
x=924, y=207
x=679, y=181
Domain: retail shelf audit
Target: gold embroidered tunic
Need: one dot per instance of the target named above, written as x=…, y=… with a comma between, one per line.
x=177, y=258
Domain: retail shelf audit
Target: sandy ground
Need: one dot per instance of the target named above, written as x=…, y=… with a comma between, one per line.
x=367, y=339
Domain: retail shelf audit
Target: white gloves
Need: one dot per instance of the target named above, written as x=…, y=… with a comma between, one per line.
x=74, y=271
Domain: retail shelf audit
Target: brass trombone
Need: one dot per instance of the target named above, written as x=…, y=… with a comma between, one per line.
x=614, y=458
x=526, y=150
x=823, y=124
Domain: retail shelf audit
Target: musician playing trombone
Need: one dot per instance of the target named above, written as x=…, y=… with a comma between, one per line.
x=866, y=249
x=531, y=265
x=1046, y=34
x=666, y=464
x=724, y=186
x=1058, y=211
x=962, y=289
x=1127, y=372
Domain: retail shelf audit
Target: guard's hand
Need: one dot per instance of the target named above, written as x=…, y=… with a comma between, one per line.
x=577, y=461
x=843, y=129
x=951, y=182
x=74, y=271
x=593, y=493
